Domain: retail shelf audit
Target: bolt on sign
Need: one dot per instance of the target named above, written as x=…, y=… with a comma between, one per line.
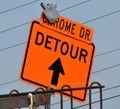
x=54, y=59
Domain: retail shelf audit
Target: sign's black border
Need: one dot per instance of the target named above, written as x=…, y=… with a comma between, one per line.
x=25, y=57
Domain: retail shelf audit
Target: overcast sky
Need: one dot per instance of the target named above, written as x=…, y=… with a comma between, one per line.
x=101, y=15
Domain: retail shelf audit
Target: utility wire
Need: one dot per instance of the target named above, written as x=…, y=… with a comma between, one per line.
x=9, y=82
x=61, y=11
x=100, y=17
x=17, y=26
x=22, y=43
x=29, y=3
x=20, y=6
x=105, y=99
x=38, y=18
x=117, y=86
x=12, y=46
x=113, y=87
x=83, y=23
x=110, y=88
x=114, y=50
x=107, y=68
x=75, y=5
x=91, y=20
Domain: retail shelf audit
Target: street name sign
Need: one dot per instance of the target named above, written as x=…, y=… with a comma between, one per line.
x=69, y=27
x=54, y=59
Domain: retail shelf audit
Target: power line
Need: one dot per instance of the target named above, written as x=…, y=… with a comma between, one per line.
x=23, y=5
x=91, y=20
x=9, y=47
x=17, y=26
x=113, y=87
x=29, y=3
x=19, y=44
x=92, y=93
x=107, y=68
x=9, y=82
x=78, y=4
x=114, y=50
x=110, y=88
x=96, y=55
x=93, y=73
x=61, y=11
x=84, y=23
x=105, y=99
x=117, y=86
x=100, y=17
x=38, y=18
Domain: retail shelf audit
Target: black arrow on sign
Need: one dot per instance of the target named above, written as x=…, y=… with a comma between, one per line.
x=57, y=68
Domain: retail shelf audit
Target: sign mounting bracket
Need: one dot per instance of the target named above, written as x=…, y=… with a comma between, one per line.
x=50, y=12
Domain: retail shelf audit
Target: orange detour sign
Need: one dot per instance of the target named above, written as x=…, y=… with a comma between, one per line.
x=54, y=59
x=69, y=27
